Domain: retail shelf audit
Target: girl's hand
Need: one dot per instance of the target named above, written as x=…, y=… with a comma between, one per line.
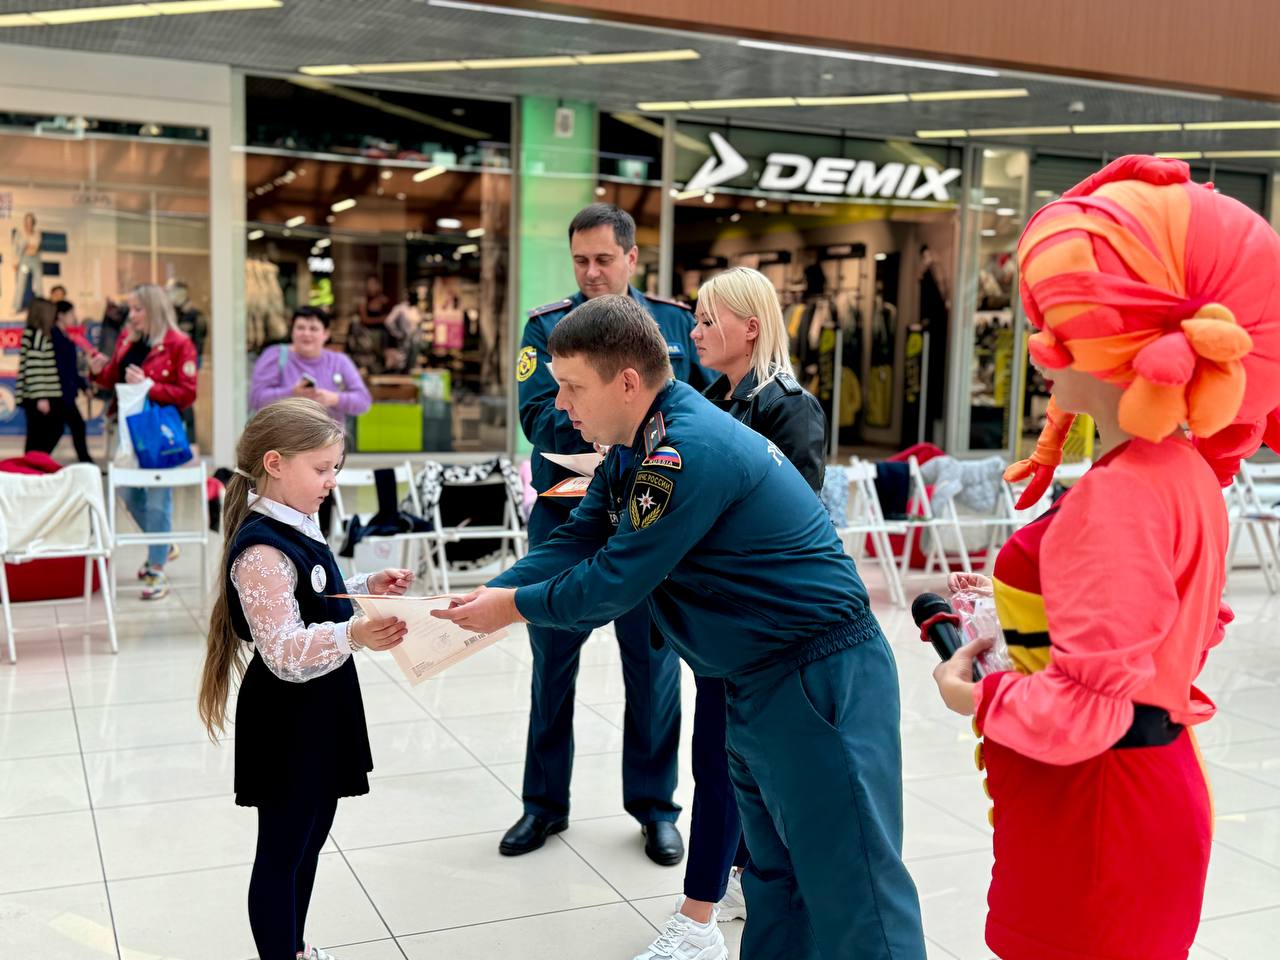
x=975, y=582
x=955, y=677
x=134, y=374
x=392, y=582
x=42, y=406
x=381, y=634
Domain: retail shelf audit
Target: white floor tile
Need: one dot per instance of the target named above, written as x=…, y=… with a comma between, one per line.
x=415, y=746
x=69, y=923
x=615, y=847
x=42, y=785
x=389, y=703
x=501, y=737
x=446, y=697
x=1243, y=937
x=1256, y=834
x=152, y=774
x=439, y=884
x=55, y=850
x=373, y=950
x=36, y=690
x=953, y=902
x=1238, y=883
x=424, y=806
x=1234, y=792
x=931, y=832
x=596, y=789
x=182, y=835
x=124, y=726
x=37, y=733
x=202, y=916
x=120, y=681
x=613, y=930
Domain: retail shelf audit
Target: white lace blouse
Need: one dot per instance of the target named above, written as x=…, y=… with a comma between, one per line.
x=265, y=579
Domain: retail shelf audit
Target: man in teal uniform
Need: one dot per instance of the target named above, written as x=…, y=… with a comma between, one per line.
x=706, y=521
x=602, y=241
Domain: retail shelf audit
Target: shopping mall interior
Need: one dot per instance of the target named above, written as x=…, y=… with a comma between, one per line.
x=406, y=171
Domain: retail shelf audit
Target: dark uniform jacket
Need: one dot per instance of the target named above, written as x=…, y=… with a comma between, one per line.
x=550, y=429
x=784, y=412
x=706, y=520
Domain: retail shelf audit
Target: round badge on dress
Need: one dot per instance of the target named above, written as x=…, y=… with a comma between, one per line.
x=318, y=578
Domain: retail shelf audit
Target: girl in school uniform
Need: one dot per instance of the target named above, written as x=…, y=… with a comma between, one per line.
x=301, y=740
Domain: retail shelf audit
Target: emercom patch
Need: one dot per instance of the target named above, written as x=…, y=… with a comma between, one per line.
x=527, y=363
x=649, y=498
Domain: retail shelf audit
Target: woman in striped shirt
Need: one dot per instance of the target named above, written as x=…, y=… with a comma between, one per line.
x=39, y=390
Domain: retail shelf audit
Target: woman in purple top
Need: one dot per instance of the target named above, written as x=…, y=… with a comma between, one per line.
x=304, y=368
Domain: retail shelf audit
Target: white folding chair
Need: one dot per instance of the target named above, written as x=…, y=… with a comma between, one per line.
x=510, y=533
x=95, y=549
x=1250, y=510
x=864, y=518
x=355, y=480
x=192, y=477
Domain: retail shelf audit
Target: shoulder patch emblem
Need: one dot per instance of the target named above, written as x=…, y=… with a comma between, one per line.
x=527, y=363
x=650, y=495
x=668, y=457
x=189, y=368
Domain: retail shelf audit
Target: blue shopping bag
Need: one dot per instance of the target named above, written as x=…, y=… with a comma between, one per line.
x=159, y=439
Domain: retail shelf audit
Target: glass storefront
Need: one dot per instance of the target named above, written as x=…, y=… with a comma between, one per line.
x=392, y=213
x=89, y=209
x=858, y=237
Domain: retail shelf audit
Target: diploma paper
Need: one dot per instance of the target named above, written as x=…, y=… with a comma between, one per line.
x=569, y=487
x=430, y=646
x=583, y=464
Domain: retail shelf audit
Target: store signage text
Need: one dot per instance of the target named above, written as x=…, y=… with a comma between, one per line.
x=320, y=264
x=795, y=172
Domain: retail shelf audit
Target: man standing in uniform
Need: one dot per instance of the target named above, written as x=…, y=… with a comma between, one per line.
x=602, y=239
x=745, y=577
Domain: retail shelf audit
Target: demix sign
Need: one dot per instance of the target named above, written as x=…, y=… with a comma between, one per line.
x=797, y=173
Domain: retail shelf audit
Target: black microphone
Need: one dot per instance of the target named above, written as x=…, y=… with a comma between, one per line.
x=938, y=625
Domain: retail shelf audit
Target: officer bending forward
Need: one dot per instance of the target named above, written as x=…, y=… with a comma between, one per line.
x=747, y=581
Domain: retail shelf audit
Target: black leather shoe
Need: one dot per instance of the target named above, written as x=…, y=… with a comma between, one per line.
x=529, y=833
x=662, y=842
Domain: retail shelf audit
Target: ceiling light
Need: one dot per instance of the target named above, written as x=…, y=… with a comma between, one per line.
x=852, y=101
x=867, y=58
x=449, y=223
x=132, y=11
x=1006, y=212
x=930, y=96
x=1018, y=131
x=468, y=248
x=19, y=20
x=1180, y=155
x=476, y=234
x=257, y=234
x=427, y=174
x=742, y=103
x=287, y=233
x=735, y=217
x=323, y=242
x=1045, y=193
x=343, y=205
x=708, y=198
x=487, y=8
x=1234, y=125
x=124, y=11
x=330, y=70
x=385, y=174
x=601, y=191
x=991, y=201
x=401, y=196
x=639, y=56
x=518, y=63
x=1087, y=128
x=941, y=134
x=760, y=204
x=295, y=221
x=882, y=256
x=171, y=8
x=658, y=106
x=688, y=194
x=413, y=66
x=988, y=232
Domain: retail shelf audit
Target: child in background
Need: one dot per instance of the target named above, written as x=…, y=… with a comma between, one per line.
x=301, y=740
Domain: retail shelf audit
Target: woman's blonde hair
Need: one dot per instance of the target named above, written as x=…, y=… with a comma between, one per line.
x=748, y=293
x=159, y=310
x=289, y=427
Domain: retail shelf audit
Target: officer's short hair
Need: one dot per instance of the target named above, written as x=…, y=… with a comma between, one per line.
x=606, y=214
x=613, y=332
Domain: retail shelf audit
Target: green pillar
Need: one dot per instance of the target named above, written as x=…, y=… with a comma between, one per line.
x=557, y=179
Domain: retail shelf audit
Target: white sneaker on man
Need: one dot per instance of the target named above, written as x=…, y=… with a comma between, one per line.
x=683, y=938
x=733, y=906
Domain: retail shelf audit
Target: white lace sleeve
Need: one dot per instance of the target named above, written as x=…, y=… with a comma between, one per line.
x=359, y=583
x=265, y=580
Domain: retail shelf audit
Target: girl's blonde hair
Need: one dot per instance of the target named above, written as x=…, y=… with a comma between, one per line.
x=748, y=293
x=289, y=427
x=159, y=310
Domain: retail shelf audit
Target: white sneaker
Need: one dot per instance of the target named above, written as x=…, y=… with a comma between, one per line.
x=315, y=953
x=733, y=906
x=684, y=938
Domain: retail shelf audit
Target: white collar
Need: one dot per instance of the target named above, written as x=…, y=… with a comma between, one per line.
x=302, y=522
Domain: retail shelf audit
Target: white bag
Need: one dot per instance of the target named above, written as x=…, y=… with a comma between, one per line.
x=130, y=399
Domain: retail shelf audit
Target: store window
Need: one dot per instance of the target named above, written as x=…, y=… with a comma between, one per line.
x=857, y=236
x=89, y=209
x=630, y=176
x=392, y=213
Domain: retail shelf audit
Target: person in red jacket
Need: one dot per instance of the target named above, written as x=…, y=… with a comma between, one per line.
x=152, y=347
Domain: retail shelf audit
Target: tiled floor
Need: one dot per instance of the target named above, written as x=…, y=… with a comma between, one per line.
x=119, y=838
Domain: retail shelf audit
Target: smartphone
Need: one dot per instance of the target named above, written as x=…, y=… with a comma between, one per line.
x=308, y=380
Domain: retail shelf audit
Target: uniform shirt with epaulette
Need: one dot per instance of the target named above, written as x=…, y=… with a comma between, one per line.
x=706, y=520
x=550, y=429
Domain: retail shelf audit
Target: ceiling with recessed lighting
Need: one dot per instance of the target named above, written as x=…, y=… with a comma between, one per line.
x=456, y=48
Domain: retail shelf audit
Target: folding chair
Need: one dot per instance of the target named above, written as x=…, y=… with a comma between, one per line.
x=1249, y=512
x=85, y=508
x=353, y=480
x=475, y=503
x=864, y=518
x=194, y=477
